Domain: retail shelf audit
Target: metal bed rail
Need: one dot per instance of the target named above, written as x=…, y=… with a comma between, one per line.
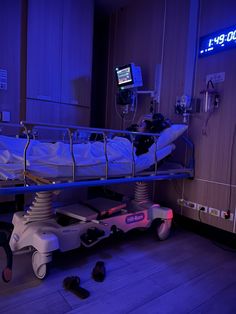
x=152, y=175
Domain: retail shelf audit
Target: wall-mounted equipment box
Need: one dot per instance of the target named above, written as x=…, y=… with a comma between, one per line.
x=5, y=116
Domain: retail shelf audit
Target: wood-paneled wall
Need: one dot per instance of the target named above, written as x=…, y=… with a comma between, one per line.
x=46, y=48
x=146, y=32
x=215, y=183
x=138, y=27
x=59, y=61
x=136, y=36
x=10, y=53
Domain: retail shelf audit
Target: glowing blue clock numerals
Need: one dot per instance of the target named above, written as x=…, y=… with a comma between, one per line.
x=218, y=41
x=210, y=43
x=231, y=36
x=221, y=39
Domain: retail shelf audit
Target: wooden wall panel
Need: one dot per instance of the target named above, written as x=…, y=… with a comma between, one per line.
x=136, y=36
x=174, y=60
x=209, y=194
x=214, y=185
x=215, y=15
x=77, y=52
x=10, y=34
x=56, y=113
x=59, y=65
x=44, y=49
x=215, y=174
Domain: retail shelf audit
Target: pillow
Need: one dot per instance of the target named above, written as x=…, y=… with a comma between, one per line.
x=170, y=134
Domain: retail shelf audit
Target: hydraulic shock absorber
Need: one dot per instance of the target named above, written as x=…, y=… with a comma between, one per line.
x=142, y=192
x=41, y=207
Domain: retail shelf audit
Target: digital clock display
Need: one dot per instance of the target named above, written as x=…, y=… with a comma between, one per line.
x=218, y=41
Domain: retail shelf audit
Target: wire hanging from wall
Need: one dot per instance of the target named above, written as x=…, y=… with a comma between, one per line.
x=231, y=168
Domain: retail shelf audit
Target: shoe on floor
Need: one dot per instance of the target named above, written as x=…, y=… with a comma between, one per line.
x=99, y=271
x=6, y=274
x=73, y=284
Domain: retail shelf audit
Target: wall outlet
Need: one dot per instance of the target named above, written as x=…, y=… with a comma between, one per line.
x=181, y=201
x=191, y=205
x=185, y=203
x=214, y=212
x=215, y=77
x=224, y=213
x=202, y=208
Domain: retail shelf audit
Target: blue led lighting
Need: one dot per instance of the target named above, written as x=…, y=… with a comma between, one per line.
x=217, y=41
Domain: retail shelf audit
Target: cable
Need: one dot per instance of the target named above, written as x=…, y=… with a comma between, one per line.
x=212, y=85
x=199, y=215
x=231, y=168
x=127, y=111
x=178, y=189
x=204, y=128
x=162, y=52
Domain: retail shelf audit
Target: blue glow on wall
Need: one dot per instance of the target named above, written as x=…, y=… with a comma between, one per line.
x=218, y=41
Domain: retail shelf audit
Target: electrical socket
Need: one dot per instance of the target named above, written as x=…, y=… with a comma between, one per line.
x=202, y=208
x=191, y=205
x=185, y=203
x=214, y=212
x=223, y=213
x=215, y=77
x=181, y=201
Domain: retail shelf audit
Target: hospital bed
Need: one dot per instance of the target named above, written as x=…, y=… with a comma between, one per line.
x=35, y=163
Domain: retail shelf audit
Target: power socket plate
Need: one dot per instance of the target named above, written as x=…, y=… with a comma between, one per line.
x=199, y=206
x=214, y=212
x=223, y=213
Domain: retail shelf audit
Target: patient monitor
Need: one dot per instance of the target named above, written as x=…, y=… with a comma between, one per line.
x=128, y=79
x=129, y=76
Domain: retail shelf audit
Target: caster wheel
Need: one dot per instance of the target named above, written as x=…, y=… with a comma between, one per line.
x=40, y=270
x=162, y=229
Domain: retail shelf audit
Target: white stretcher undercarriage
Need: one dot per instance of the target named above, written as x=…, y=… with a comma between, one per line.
x=45, y=229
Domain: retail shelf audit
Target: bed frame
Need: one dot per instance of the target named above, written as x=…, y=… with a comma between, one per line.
x=40, y=229
x=167, y=172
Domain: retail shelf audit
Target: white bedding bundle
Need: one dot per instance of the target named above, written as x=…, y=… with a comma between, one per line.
x=54, y=159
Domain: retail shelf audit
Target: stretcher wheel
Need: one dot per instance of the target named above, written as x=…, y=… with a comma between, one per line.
x=162, y=229
x=39, y=268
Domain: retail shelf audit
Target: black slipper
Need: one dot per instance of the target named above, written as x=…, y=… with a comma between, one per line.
x=99, y=272
x=73, y=284
x=6, y=274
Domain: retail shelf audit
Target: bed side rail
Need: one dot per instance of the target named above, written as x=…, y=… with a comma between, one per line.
x=74, y=131
x=29, y=129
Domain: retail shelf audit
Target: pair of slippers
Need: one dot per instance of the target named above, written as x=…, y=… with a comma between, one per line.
x=72, y=283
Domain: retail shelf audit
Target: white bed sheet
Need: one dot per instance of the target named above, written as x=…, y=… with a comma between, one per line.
x=53, y=160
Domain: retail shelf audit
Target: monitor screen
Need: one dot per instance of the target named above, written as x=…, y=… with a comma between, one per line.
x=128, y=76
x=124, y=75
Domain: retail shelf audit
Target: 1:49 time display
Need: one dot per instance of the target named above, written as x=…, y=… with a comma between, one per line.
x=221, y=39
x=217, y=41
